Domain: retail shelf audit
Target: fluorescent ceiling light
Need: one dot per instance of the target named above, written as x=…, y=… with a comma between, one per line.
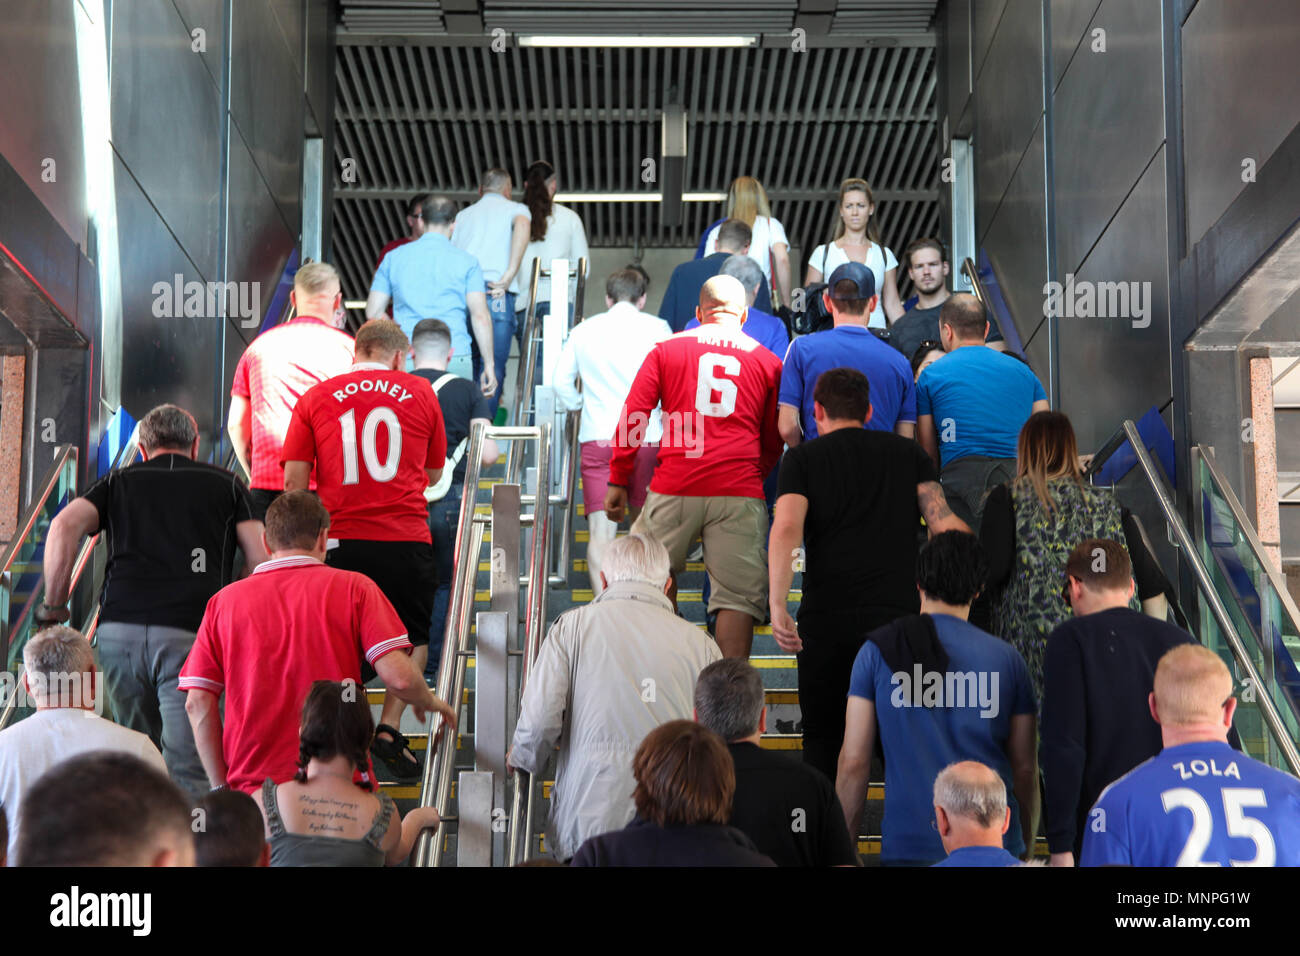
x=638, y=41
x=636, y=197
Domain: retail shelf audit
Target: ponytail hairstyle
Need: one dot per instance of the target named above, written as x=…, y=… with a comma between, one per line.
x=857, y=186
x=538, y=198
x=336, y=720
x=746, y=200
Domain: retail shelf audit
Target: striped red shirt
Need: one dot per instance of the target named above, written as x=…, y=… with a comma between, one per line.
x=265, y=639
x=274, y=372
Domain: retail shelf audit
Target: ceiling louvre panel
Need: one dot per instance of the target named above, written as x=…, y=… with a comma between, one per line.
x=431, y=115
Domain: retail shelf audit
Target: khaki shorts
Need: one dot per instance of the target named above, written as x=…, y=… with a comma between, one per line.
x=734, y=532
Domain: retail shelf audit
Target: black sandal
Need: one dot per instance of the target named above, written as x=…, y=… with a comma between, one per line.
x=396, y=755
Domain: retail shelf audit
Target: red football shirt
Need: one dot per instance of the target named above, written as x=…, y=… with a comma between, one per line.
x=390, y=247
x=265, y=639
x=718, y=390
x=371, y=433
x=274, y=372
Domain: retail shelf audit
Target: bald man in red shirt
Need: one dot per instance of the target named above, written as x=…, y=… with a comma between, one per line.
x=718, y=391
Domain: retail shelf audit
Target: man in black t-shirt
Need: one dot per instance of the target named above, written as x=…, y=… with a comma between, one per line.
x=927, y=267
x=854, y=499
x=173, y=526
x=789, y=809
x=462, y=403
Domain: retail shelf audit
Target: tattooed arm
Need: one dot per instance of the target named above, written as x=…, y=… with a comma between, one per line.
x=934, y=508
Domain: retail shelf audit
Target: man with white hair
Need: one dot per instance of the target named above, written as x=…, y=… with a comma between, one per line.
x=1198, y=802
x=59, y=679
x=717, y=388
x=608, y=674
x=173, y=525
x=971, y=814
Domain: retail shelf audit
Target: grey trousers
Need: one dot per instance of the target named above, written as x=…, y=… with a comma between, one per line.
x=967, y=482
x=141, y=666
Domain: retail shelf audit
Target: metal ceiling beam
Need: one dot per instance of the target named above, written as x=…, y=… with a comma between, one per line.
x=613, y=114
x=781, y=40
x=775, y=195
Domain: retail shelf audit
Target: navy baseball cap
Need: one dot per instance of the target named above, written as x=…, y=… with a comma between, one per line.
x=859, y=274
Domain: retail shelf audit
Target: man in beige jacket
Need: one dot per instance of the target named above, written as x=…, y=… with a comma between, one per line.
x=607, y=675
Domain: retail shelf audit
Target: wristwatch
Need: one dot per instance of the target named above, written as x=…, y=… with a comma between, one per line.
x=55, y=613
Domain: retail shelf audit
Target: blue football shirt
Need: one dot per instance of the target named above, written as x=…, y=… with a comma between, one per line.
x=1198, y=804
x=889, y=375
x=979, y=856
x=979, y=398
x=987, y=683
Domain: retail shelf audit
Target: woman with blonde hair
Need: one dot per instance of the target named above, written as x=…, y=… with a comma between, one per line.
x=1030, y=526
x=769, y=247
x=857, y=239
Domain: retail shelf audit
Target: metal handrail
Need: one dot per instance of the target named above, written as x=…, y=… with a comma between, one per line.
x=1252, y=540
x=521, y=808
x=567, y=501
x=1267, y=708
x=1113, y=444
x=439, y=768
x=435, y=788
x=33, y=513
x=971, y=273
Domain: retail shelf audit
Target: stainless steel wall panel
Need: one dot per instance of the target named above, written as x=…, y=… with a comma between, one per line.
x=1109, y=122
x=210, y=17
x=319, y=67
x=1009, y=103
x=291, y=15
x=165, y=114
x=165, y=358
x=42, y=104
x=1016, y=245
x=259, y=243
x=956, y=62
x=267, y=104
x=985, y=15
x=1111, y=370
x=1241, y=97
x=1070, y=18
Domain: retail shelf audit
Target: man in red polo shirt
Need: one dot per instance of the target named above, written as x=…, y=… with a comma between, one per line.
x=718, y=391
x=265, y=639
x=376, y=438
x=277, y=369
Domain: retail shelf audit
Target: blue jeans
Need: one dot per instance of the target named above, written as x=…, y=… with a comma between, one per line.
x=502, y=311
x=444, y=516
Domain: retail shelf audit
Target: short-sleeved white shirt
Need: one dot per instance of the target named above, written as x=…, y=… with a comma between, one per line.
x=484, y=231
x=32, y=746
x=879, y=260
x=565, y=239
x=767, y=233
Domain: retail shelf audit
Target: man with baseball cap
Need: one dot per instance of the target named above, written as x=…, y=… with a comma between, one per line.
x=850, y=296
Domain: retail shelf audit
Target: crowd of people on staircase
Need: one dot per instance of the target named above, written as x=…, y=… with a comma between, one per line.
x=973, y=615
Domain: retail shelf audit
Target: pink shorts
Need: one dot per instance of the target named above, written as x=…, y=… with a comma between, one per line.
x=595, y=474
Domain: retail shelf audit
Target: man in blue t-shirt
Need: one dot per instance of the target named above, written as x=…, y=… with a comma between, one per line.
x=850, y=296
x=971, y=405
x=939, y=690
x=971, y=815
x=1198, y=802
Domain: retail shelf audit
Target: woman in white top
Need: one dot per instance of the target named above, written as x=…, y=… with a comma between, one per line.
x=557, y=233
x=747, y=202
x=857, y=239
